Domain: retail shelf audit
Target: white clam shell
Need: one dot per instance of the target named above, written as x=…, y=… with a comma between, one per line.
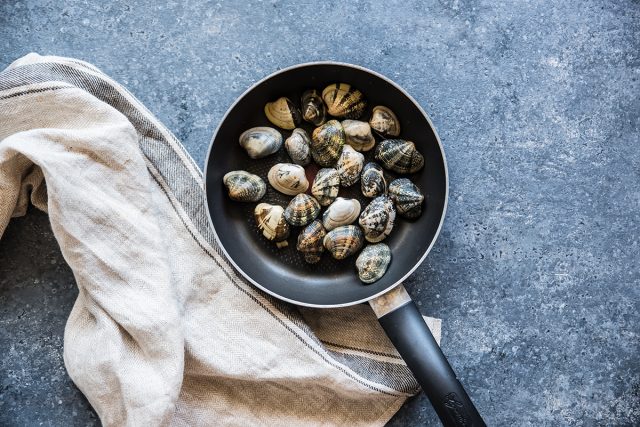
x=341, y=212
x=373, y=262
x=260, y=141
x=288, y=178
x=298, y=146
x=358, y=134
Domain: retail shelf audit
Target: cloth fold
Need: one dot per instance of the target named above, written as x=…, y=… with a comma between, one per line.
x=164, y=332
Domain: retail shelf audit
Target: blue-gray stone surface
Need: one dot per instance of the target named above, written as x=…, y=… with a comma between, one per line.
x=536, y=273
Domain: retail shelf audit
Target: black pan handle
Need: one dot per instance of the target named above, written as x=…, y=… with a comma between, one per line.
x=409, y=333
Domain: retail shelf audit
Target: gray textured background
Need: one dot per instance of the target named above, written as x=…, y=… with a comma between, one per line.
x=536, y=272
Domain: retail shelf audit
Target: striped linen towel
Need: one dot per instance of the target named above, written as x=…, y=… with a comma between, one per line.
x=164, y=332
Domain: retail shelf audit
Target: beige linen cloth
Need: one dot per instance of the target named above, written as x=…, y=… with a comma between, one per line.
x=164, y=332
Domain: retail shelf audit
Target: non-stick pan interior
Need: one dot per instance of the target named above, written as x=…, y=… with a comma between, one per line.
x=284, y=272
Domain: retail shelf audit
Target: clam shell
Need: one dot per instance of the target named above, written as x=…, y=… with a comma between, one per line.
x=310, y=242
x=283, y=113
x=343, y=241
x=372, y=262
x=260, y=141
x=399, y=156
x=327, y=142
x=301, y=210
x=271, y=222
x=313, y=108
x=325, y=186
x=344, y=101
x=407, y=197
x=372, y=181
x=341, y=212
x=358, y=134
x=288, y=178
x=377, y=219
x=384, y=121
x=349, y=166
x=298, y=146
x=244, y=186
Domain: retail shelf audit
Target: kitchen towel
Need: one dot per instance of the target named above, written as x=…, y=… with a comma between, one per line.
x=164, y=332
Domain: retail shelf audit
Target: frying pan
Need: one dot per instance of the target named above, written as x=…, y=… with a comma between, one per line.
x=330, y=283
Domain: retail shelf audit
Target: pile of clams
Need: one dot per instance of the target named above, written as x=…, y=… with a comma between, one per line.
x=332, y=148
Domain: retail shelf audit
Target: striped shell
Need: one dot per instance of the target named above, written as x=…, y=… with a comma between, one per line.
x=399, y=156
x=326, y=186
x=298, y=146
x=271, y=222
x=372, y=262
x=372, y=181
x=288, y=178
x=283, y=113
x=349, y=166
x=244, y=186
x=344, y=241
x=327, y=142
x=341, y=212
x=377, y=219
x=384, y=121
x=260, y=141
x=301, y=210
x=313, y=108
x=358, y=134
x=310, y=242
x=344, y=101
x=407, y=197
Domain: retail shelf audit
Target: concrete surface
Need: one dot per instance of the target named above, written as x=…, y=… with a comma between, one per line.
x=536, y=273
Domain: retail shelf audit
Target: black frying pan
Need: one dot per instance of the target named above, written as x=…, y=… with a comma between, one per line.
x=330, y=283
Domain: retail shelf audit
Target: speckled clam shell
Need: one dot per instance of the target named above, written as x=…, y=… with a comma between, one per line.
x=373, y=262
x=377, y=219
x=283, y=113
x=288, y=178
x=301, y=210
x=349, y=166
x=310, y=242
x=342, y=242
x=313, y=108
x=407, y=197
x=372, y=180
x=384, y=121
x=244, y=186
x=341, y=212
x=358, y=134
x=399, y=156
x=260, y=141
x=327, y=142
x=271, y=222
x=344, y=101
x=326, y=186
x=298, y=146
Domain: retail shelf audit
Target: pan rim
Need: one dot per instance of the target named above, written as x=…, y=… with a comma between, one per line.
x=446, y=178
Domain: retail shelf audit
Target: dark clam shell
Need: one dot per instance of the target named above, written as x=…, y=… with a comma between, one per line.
x=301, y=210
x=344, y=101
x=399, y=156
x=244, y=186
x=372, y=262
x=372, y=181
x=344, y=241
x=407, y=197
x=310, y=242
x=377, y=219
x=313, y=108
x=327, y=142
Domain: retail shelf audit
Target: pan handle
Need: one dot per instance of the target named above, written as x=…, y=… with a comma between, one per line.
x=407, y=330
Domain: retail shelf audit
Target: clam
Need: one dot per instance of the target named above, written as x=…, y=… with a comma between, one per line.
x=327, y=142
x=343, y=241
x=407, y=197
x=349, y=166
x=325, y=186
x=344, y=101
x=358, y=134
x=384, y=121
x=261, y=141
x=283, y=113
x=372, y=180
x=298, y=146
x=399, y=156
x=301, y=210
x=313, y=108
x=271, y=222
x=310, y=241
x=244, y=186
x=377, y=219
x=372, y=262
x=288, y=178
x=341, y=212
